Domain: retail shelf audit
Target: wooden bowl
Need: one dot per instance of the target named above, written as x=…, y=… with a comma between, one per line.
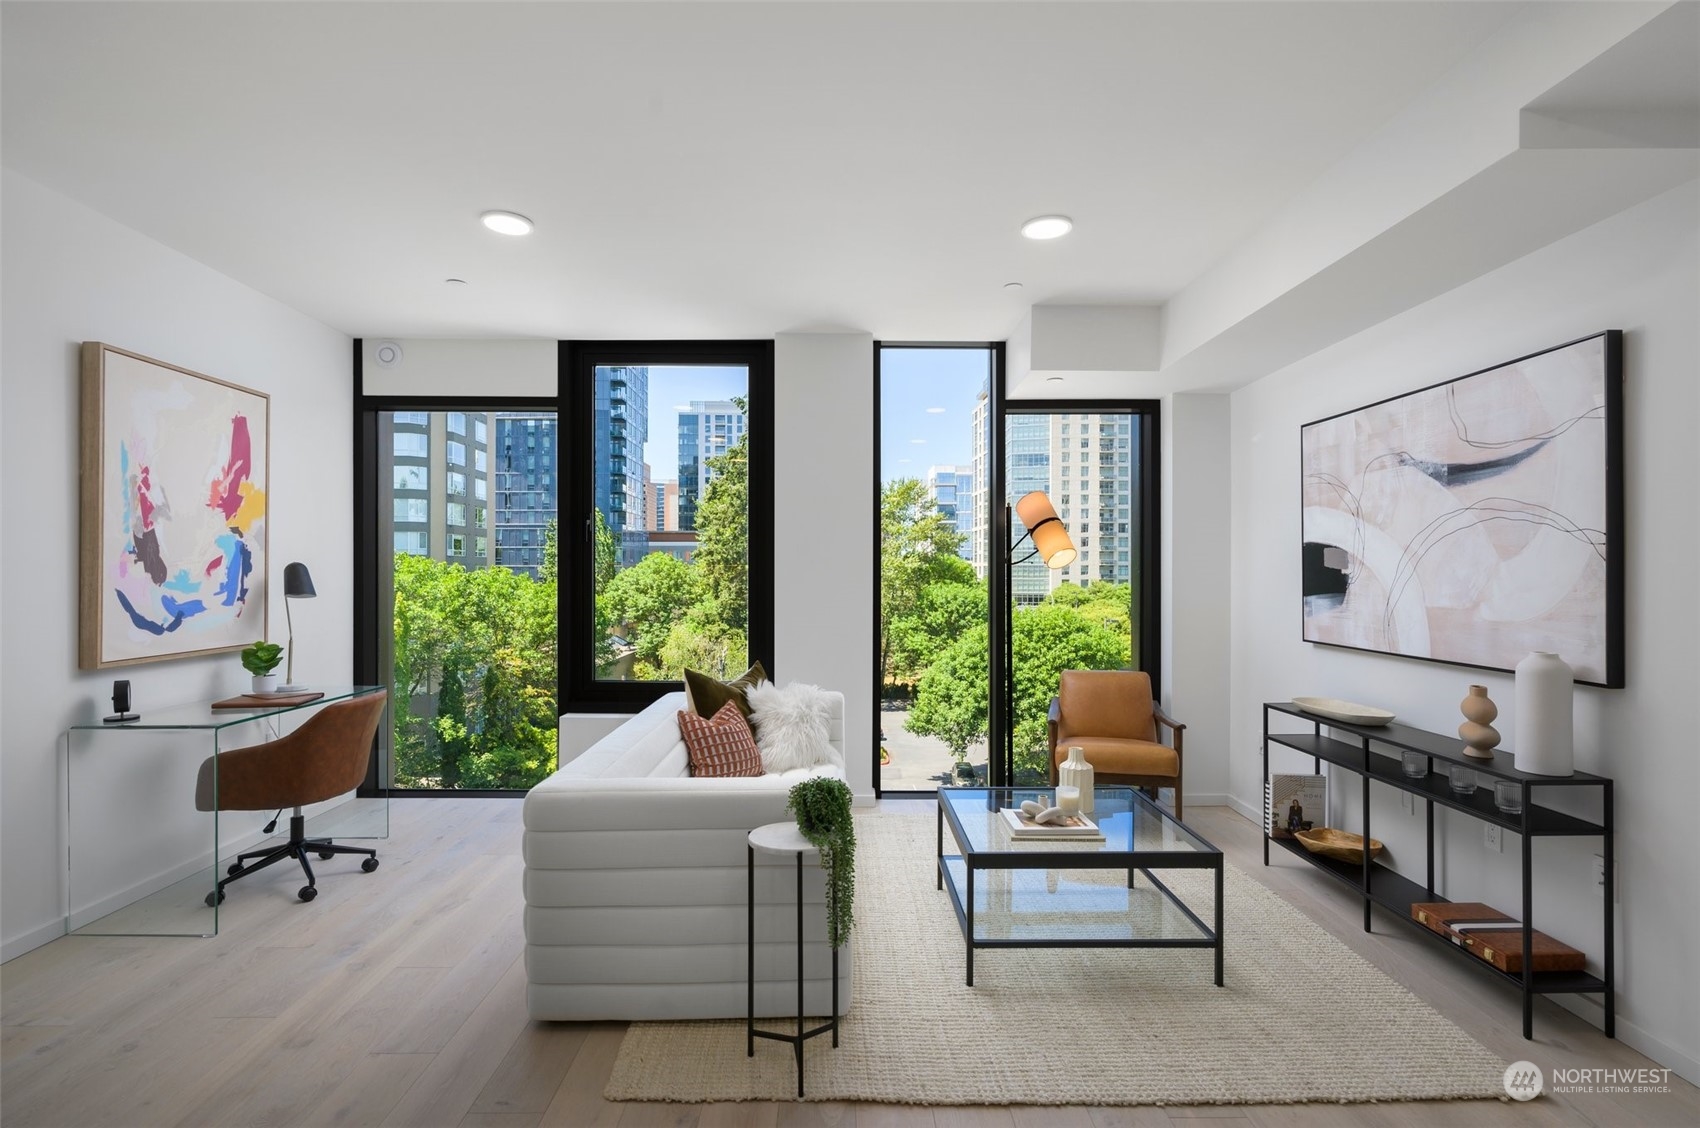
x=1341, y=845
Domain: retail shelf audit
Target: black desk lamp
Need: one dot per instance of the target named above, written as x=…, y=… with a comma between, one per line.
x=297, y=584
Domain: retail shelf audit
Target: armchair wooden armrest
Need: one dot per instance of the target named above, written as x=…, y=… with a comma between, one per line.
x=1052, y=716
x=1175, y=727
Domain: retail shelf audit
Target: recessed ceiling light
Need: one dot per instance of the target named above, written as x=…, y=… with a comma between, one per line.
x=1047, y=226
x=1053, y=379
x=455, y=281
x=1012, y=285
x=506, y=223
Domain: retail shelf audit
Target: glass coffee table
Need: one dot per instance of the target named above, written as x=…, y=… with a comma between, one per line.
x=1063, y=893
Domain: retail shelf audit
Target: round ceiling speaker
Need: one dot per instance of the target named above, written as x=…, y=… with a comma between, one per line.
x=387, y=354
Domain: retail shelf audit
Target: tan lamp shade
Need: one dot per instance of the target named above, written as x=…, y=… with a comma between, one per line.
x=1046, y=528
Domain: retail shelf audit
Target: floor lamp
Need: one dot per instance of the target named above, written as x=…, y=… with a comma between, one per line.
x=297, y=584
x=1051, y=544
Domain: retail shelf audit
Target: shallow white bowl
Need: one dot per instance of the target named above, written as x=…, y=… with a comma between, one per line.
x=1336, y=710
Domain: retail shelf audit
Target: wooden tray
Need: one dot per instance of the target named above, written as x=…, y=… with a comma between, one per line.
x=1472, y=925
x=1341, y=845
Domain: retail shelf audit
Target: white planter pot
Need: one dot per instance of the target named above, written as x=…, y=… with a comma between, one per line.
x=1076, y=772
x=1546, y=719
x=265, y=683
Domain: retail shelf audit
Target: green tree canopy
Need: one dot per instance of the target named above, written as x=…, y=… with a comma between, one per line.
x=943, y=613
x=952, y=701
x=647, y=600
x=918, y=547
x=723, y=537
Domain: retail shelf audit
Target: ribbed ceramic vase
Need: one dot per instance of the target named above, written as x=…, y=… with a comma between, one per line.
x=1477, y=731
x=1546, y=721
x=1076, y=772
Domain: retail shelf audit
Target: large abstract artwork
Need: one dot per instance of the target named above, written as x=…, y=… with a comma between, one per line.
x=1477, y=520
x=174, y=479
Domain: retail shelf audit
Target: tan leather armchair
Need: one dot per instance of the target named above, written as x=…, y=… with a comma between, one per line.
x=1111, y=715
x=324, y=758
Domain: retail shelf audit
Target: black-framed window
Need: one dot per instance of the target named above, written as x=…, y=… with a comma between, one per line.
x=668, y=504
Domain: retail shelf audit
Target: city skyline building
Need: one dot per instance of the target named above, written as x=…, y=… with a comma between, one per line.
x=621, y=429
x=438, y=484
x=707, y=428
x=951, y=489
x=525, y=482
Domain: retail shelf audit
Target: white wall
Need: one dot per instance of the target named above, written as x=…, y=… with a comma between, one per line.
x=1195, y=586
x=1636, y=271
x=824, y=511
x=433, y=367
x=72, y=275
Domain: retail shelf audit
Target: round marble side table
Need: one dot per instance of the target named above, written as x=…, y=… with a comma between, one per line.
x=785, y=838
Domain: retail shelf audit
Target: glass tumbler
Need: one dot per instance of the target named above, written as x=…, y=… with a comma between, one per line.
x=1462, y=779
x=1508, y=796
x=1414, y=764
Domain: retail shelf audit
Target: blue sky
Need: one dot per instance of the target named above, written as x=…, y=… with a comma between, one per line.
x=673, y=387
x=927, y=408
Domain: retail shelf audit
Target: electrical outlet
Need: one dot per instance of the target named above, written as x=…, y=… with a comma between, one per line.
x=1408, y=802
x=1490, y=837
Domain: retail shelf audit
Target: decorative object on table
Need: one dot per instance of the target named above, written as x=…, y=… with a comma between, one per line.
x=721, y=745
x=793, y=725
x=1413, y=764
x=1461, y=779
x=297, y=584
x=1466, y=521
x=1026, y=826
x=121, y=704
x=260, y=659
x=1345, y=712
x=1546, y=719
x=1295, y=803
x=268, y=700
x=705, y=693
x=1508, y=796
x=1112, y=717
x=1077, y=772
x=173, y=511
x=1477, y=732
x=1495, y=937
x=1341, y=845
x=1060, y=814
x=822, y=807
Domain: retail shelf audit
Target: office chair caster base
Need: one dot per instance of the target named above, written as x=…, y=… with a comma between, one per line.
x=233, y=868
x=326, y=855
x=307, y=893
x=216, y=897
x=369, y=865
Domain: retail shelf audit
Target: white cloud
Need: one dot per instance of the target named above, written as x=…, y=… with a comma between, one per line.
x=935, y=411
x=918, y=442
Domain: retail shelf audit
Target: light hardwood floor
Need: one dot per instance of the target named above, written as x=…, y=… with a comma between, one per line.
x=397, y=998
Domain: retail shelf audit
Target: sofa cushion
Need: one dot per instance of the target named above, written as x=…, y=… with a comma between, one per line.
x=721, y=745
x=793, y=725
x=705, y=693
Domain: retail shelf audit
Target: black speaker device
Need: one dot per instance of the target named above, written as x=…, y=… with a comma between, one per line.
x=121, y=704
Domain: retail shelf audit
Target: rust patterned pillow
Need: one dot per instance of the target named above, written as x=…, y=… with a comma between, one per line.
x=721, y=745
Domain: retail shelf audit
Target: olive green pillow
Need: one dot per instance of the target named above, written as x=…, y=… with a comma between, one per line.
x=705, y=693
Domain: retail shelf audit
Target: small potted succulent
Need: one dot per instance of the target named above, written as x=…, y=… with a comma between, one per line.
x=260, y=660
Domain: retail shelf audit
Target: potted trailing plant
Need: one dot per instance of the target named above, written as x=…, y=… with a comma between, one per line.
x=822, y=807
x=260, y=660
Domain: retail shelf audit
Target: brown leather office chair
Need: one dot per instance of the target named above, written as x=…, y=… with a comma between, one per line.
x=322, y=759
x=1110, y=715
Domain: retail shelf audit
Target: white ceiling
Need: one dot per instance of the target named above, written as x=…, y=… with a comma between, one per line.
x=706, y=169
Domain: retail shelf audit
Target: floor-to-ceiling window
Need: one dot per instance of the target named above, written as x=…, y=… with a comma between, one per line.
x=935, y=422
x=1096, y=463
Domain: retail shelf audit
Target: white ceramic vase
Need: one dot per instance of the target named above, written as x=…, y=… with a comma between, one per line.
x=1546, y=720
x=1076, y=772
x=265, y=683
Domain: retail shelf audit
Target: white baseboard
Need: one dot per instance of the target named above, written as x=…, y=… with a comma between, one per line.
x=31, y=939
x=1255, y=814
x=1590, y=1009
x=1207, y=799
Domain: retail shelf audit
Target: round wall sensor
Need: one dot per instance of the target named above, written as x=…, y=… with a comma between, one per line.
x=387, y=354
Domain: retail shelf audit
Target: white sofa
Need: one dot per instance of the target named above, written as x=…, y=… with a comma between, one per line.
x=635, y=886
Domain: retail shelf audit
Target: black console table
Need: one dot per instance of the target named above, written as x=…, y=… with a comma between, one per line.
x=1374, y=753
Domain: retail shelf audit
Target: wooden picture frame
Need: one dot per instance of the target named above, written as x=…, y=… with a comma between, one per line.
x=175, y=473
x=1474, y=521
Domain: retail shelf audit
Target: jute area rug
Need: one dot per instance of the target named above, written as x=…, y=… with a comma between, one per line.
x=1301, y=1018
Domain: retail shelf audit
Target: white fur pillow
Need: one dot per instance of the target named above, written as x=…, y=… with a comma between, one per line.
x=793, y=726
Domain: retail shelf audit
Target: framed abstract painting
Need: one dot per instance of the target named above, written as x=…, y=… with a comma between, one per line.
x=173, y=523
x=1476, y=520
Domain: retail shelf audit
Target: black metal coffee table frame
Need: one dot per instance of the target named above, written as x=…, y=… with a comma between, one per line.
x=1062, y=854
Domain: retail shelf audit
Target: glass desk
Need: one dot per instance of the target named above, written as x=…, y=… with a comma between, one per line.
x=1026, y=893
x=136, y=850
